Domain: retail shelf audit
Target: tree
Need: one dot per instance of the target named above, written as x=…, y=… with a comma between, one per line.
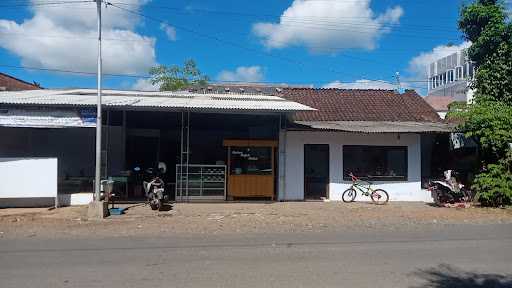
x=175, y=78
x=485, y=24
x=489, y=118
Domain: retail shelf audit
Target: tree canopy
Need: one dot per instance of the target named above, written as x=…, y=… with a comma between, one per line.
x=173, y=78
x=489, y=118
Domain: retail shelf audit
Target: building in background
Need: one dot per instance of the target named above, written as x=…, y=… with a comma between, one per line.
x=10, y=83
x=448, y=81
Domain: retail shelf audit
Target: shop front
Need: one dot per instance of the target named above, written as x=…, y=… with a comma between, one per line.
x=209, y=156
x=216, y=147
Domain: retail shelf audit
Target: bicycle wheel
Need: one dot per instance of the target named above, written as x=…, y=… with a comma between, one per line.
x=379, y=197
x=349, y=195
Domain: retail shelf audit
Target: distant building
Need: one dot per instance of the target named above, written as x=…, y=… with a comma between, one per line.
x=449, y=77
x=10, y=83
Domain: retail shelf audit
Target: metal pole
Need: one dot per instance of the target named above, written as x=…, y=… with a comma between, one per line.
x=188, y=151
x=97, y=175
x=181, y=158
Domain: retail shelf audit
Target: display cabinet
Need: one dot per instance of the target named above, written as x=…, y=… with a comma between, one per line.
x=200, y=182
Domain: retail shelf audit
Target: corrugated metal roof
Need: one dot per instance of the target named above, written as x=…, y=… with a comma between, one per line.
x=163, y=100
x=379, y=126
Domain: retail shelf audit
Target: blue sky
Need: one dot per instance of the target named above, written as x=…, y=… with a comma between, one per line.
x=334, y=43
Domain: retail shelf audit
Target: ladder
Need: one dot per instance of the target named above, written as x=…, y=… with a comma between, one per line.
x=184, y=158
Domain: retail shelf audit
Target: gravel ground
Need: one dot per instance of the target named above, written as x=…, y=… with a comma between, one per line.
x=256, y=217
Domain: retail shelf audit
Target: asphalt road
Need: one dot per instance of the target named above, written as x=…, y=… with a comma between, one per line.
x=452, y=256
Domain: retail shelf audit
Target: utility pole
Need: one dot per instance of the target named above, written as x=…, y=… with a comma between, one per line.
x=398, y=85
x=97, y=175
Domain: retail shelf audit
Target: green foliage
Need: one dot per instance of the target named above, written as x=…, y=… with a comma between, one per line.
x=493, y=186
x=175, y=78
x=493, y=80
x=489, y=118
x=483, y=23
x=490, y=123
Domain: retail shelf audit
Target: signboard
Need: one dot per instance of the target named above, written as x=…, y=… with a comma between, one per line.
x=46, y=118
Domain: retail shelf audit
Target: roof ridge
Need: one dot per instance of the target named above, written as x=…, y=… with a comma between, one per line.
x=20, y=80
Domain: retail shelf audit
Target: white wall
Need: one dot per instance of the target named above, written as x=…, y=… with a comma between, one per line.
x=28, y=178
x=409, y=190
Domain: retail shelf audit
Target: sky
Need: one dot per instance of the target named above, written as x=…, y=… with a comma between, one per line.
x=324, y=43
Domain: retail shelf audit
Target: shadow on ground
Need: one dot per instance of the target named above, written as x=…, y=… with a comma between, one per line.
x=444, y=276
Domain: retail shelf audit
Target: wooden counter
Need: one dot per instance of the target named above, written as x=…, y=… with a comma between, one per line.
x=242, y=186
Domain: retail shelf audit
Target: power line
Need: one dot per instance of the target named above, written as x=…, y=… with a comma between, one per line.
x=149, y=76
x=316, y=20
x=44, y=3
x=324, y=19
x=73, y=37
x=220, y=40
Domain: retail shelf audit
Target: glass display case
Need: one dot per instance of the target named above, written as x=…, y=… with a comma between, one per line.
x=200, y=182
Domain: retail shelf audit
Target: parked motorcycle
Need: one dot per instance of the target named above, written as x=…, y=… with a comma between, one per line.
x=154, y=186
x=449, y=190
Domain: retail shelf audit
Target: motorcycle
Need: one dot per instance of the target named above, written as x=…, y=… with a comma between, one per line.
x=154, y=187
x=448, y=190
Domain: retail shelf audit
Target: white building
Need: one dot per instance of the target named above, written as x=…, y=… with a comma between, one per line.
x=448, y=81
x=299, y=145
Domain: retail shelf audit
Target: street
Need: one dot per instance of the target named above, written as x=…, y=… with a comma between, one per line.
x=446, y=256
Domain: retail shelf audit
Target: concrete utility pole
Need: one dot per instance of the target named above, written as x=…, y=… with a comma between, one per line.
x=97, y=175
x=97, y=208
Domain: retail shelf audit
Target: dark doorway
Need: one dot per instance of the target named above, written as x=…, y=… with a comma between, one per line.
x=316, y=171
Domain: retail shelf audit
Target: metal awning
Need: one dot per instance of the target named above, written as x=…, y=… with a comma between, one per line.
x=46, y=118
x=379, y=126
x=153, y=100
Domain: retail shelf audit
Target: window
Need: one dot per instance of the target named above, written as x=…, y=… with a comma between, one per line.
x=450, y=76
x=381, y=163
x=459, y=73
x=251, y=160
x=471, y=70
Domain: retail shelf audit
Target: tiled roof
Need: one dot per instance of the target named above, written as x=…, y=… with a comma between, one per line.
x=361, y=105
x=439, y=103
x=244, y=88
x=10, y=83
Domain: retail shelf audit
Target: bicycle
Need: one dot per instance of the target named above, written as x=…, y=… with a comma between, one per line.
x=378, y=196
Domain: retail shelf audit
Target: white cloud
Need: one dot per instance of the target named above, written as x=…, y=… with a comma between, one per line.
x=144, y=85
x=328, y=25
x=169, y=31
x=362, y=84
x=242, y=74
x=418, y=65
x=63, y=37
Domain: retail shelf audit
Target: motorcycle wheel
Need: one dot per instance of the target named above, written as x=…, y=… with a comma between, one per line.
x=436, y=195
x=154, y=203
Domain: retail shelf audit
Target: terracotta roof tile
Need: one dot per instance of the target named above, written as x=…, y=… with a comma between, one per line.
x=361, y=105
x=10, y=83
x=439, y=103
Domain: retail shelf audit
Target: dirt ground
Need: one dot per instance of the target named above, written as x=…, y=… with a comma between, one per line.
x=256, y=217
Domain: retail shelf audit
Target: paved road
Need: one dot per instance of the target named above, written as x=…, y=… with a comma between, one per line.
x=454, y=256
